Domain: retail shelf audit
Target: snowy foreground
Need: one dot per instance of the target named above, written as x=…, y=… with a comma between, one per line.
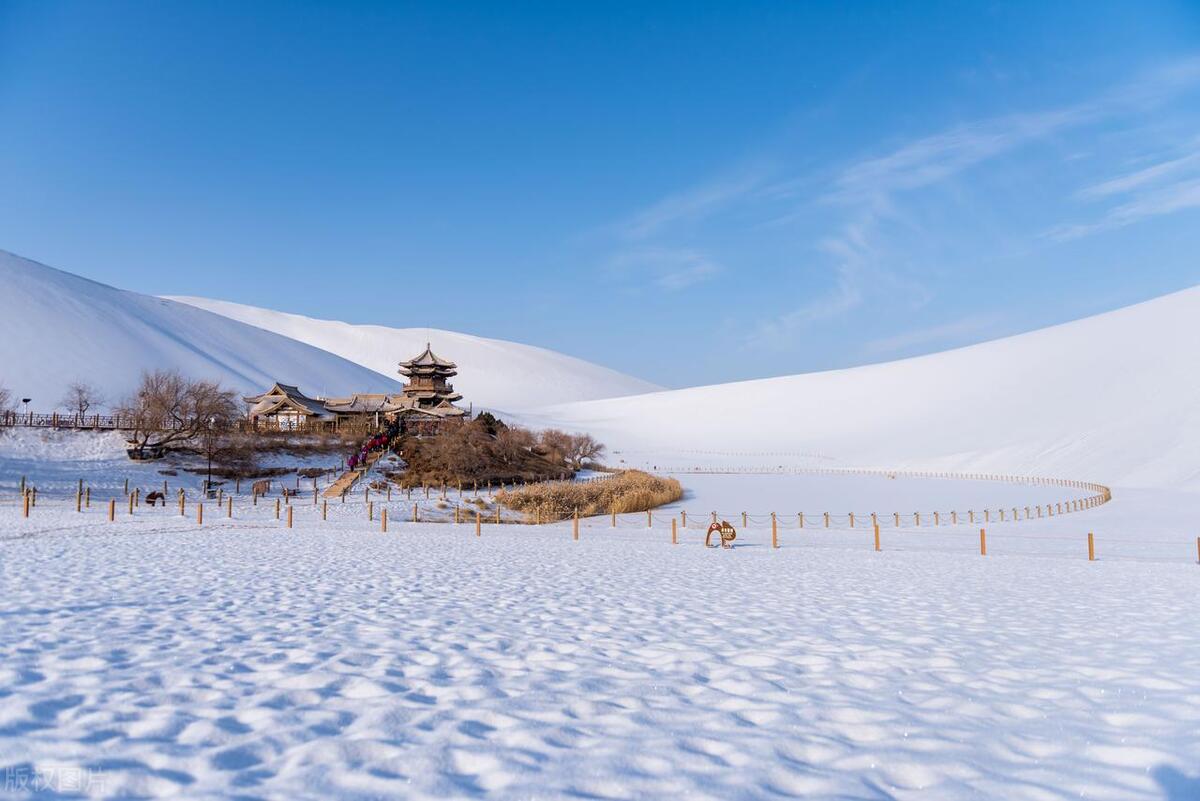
x=155, y=657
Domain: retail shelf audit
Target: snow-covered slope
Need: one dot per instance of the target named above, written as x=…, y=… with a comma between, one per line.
x=56, y=328
x=1113, y=398
x=492, y=373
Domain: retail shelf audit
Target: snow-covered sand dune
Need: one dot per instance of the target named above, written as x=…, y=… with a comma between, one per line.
x=56, y=328
x=1113, y=398
x=331, y=660
x=492, y=373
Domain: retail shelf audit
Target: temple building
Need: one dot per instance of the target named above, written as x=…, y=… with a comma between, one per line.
x=284, y=407
x=423, y=407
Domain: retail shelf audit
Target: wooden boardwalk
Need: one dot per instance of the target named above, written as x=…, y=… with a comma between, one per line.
x=347, y=480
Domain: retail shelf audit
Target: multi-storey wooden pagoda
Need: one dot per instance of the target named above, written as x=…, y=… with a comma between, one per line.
x=428, y=381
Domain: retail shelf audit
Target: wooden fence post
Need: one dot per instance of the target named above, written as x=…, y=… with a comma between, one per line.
x=575, y=530
x=827, y=520
x=370, y=511
x=112, y=510
x=675, y=535
x=25, y=504
x=800, y=519
x=1091, y=547
x=877, y=543
x=683, y=517
x=650, y=518
x=937, y=520
x=383, y=519
x=78, y=501
x=614, y=517
x=229, y=506
x=131, y=503
x=983, y=542
x=414, y=513
x=277, y=508
x=87, y=498
x=200, y=513
x=478, y=524
x=852, y=520
x=289, y=517
x=324, y=510
x=953, y=518
x=774, y=532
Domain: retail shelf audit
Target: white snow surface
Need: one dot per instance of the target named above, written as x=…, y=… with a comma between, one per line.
x=57, y=328
x=492, y=373
x=1113, y=398
x=152, y=657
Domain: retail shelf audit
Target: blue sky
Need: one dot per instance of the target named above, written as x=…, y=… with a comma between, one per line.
x=689, y=192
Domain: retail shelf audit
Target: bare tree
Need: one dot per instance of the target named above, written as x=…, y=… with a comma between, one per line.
x=555, y=444
x=583, y=448
x=80, y=397
x=570, y=449
x=169, y=408
x=5, y=399
x=512, y=443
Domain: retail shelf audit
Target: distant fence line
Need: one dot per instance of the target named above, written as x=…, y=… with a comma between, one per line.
x=99, y=422
x=113, y=422
x=287, y=509
x=1099, y=495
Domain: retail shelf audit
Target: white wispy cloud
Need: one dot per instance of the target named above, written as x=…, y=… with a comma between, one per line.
x=662, y=243
x=941, y=334
x=671, y=269
x=1139, y=178
x=1168, y=186
x=871, y=189
x=692, y=204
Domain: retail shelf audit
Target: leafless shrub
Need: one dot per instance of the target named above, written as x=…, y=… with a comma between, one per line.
x=630, y=491
x=6, y=403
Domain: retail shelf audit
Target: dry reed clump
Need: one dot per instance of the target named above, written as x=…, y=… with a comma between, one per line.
x=629, y=491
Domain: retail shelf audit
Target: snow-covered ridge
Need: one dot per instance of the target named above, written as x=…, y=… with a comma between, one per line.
x=56, y=328
x=1114, y=398
x=492, y=373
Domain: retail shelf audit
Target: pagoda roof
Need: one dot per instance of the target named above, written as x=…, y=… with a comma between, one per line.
x=363, y=403
x=428, y=359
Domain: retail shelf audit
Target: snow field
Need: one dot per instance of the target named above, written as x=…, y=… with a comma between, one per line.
x=244, y=658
